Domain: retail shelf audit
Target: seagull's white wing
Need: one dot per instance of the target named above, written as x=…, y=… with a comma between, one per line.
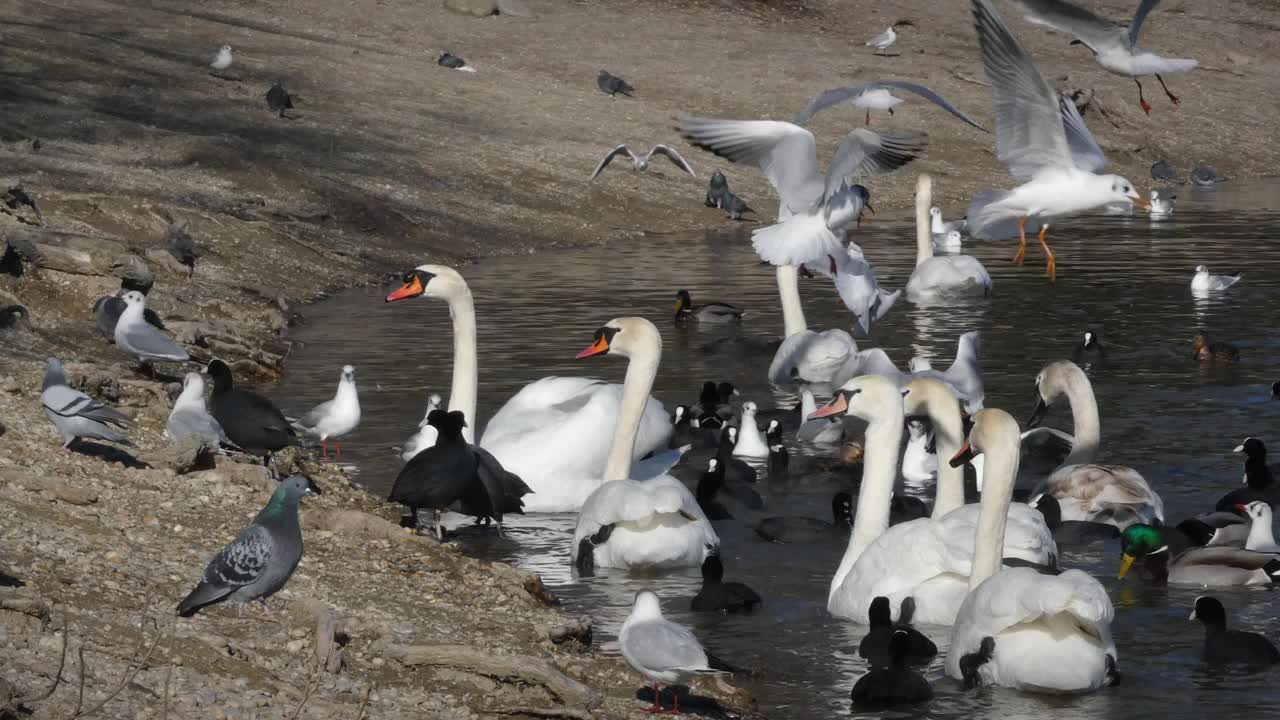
x=1083, y=25
x=786, y=153
x=673, y=156
x=1144, y=8
x=1029, y=132
x=621, y=149
x=866, y=152
x=1084, y=149
x=838, y=95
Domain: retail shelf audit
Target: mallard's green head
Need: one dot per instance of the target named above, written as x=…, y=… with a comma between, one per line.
x=1138, y=541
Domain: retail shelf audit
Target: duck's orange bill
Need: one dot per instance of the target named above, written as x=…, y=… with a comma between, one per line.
x=413, y=288
x=837, y=406
x=1126, y=562
x=598, y=347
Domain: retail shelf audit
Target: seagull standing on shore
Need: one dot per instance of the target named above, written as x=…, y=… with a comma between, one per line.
x=222, y=59
x=1115, y=47
x=662, y=651
x=140, y=339
x=884, y=40
x=1041, y=137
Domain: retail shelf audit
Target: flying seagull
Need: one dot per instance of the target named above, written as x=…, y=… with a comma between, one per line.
x=1041, y=137
x=835, y=96
x=641, y=162
x=1115, y=47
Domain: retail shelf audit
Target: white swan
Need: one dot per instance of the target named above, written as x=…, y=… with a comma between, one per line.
x=808, y=355
x=1112, y=494
x=919, y=466
x=934, y=399
x=654, y=523
x=751, y=442
x=1052, y=634
x=927, y=559
x=943, y=276
x=553, y=433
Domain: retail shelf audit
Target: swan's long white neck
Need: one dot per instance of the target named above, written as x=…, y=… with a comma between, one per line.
x=948, y=429
x=789, y=292
x=924, y=239
x=641, y=370
x=1086, y=428
x=879, y=470
x=998, y=473
x=462, y=396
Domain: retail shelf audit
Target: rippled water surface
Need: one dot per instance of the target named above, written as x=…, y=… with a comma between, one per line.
x=1161, y=413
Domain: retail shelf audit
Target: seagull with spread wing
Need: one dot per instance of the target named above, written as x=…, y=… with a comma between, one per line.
x=641, y=162
x=1115, y=47
x=872, y=95
x=1043, y=140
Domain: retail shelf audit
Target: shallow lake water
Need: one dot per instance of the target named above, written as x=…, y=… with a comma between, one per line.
x=1125, y=277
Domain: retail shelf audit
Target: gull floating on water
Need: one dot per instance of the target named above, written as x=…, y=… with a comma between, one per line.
x=663, y=651
x=938, y=226
x=1115, y=47
x=1164, y=172
x=1043, y=140
x=426, y=435
x=1205, y=176
x=641, y=162
x=1161, y=207
x=1202, y=282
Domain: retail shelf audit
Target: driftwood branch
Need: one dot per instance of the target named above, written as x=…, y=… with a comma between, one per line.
x=32, y=607
x=528, y=669
x=67, y=252
x=560, y=712
x=57, y=677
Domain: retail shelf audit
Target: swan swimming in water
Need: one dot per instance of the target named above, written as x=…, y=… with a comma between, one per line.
x=554, y=432
x=653, y=524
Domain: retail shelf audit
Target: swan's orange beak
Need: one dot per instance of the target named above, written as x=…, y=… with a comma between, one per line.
x=599, y=347
x=412, y=288
x=838, y=406
x=965, y=455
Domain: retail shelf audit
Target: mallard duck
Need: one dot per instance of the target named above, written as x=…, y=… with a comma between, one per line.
x=712, y=312
x=1217, y=353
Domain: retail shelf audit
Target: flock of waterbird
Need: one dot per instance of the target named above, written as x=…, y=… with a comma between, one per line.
x=986, y=572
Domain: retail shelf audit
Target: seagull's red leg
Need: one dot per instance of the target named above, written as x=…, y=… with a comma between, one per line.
x=1146, y=107
x=1052, y=268
x=339, y=449
x=1022, y=241
x=1172, y=97
x=657, y=706
x=324, y=450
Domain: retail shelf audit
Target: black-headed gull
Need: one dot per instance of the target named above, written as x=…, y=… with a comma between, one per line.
x=1115, y=47
x=1041, y=137
x=134, y=335
x=1204, y=282
x=663, y=651
x=334, y=418
x=641, y=162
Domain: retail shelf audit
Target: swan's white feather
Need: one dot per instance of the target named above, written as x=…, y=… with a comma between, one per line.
x=1112, y=494
x=1052, y=633
x=817, y=357
x=949, y=276
x=657, y=525
x=555, y=435
x=803, y=239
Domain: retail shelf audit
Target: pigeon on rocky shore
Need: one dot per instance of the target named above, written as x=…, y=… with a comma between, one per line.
x=717, y=189
x=453, y=62
x=278, y=99
x=190, y=417
x=259, y=562
x=11, y=316
x=107, y=310
x=248, y=419
x=735, y=206
x=182, y=247
x=140, y=339
x=77, y=415
x=336, y=417
x=611, y=85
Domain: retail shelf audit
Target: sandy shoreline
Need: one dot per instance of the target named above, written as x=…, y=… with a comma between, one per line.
x=110, y=119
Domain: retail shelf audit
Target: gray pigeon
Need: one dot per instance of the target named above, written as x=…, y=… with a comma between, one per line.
x=182, y=247
x=190, y=417
x=106, y=313
x=12, y=316
x=259, y=562
x=1164, y=172
x=1205, y=176
x=735, y=206
x=75, y=414
x=716, y=190
x=611, y=85
x=141, y=340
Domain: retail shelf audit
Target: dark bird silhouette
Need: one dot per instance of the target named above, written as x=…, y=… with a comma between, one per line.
x=612, y=85
x=719, y=596
x=438, y=476
x=250, y=420
x=11, y=316
x=182, y=247
x=1230, y=647
x=17, y=195
x=717, y=190
x=278, y=99
x=897, y=684
x=876, y=644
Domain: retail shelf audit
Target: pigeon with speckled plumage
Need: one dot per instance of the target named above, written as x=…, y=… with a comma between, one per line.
x=259, y=562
